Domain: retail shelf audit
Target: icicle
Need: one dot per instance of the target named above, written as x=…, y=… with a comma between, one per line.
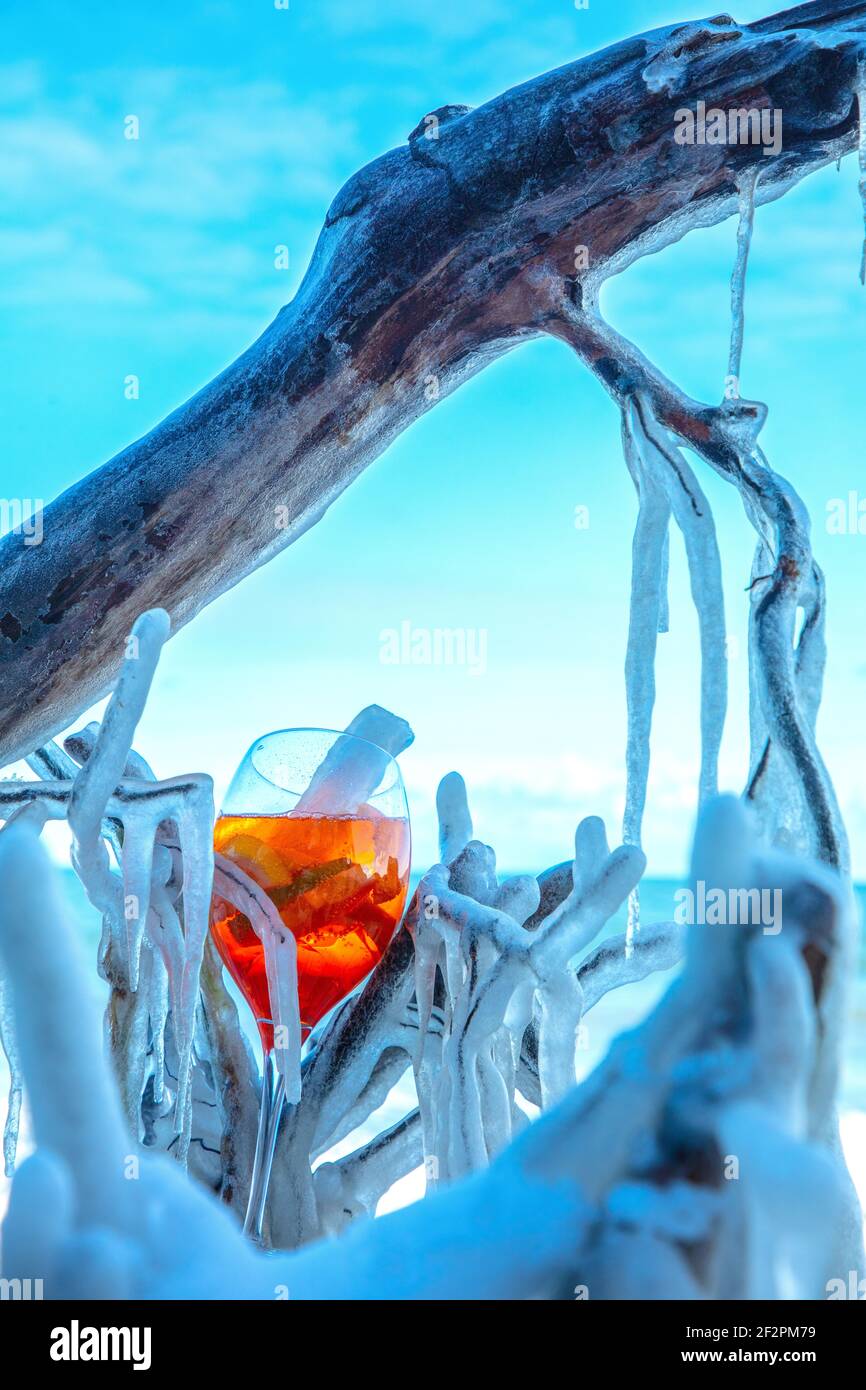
x=428, y=949
x=137, y=864
x=13, y=1113
x=664, y=585
x=166, y=933
x=195, y=828
x=646, y=612
x=159, y=1006
x=746, y=186
x=281, y=967
x=427, y=1054
x=692, y=514
x=660, y=472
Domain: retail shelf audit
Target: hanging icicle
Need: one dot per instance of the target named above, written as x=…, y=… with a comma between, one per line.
x=692, y=513
x=747, y=183
x=13, y=1112
x=647, y=617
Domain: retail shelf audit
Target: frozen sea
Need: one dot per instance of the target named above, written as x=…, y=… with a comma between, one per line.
x=619, y=1010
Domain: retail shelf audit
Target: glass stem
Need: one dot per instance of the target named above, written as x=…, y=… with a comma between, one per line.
x=270, y=1110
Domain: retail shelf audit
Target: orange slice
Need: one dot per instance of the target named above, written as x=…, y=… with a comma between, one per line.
x=259, y=860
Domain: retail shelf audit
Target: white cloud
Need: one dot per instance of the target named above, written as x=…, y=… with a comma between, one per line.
x=216, y=153
x=94, y=216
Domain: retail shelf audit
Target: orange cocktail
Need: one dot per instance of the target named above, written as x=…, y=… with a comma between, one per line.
x=339, y=884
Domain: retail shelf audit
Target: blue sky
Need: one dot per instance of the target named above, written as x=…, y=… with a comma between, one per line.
x=155, y=257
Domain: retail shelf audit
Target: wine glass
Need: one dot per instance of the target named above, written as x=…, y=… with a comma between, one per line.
x=319, y=820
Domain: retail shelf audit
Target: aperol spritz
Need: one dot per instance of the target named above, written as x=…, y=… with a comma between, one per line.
x=339, y=884
x=318, y=819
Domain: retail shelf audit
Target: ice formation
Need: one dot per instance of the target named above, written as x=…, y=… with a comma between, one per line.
x=739, y=1058
x=13, y=1108
x=155, y=910
x=482, y=992
x=746, y=187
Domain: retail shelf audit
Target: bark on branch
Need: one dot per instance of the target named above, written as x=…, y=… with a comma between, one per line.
x=433, y=260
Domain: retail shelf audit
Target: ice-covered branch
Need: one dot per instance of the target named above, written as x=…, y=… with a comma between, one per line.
x=737, y=1063
x=785, y=680
x=153, y=925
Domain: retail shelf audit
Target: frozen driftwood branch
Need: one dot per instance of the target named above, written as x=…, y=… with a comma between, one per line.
x=429, y=265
